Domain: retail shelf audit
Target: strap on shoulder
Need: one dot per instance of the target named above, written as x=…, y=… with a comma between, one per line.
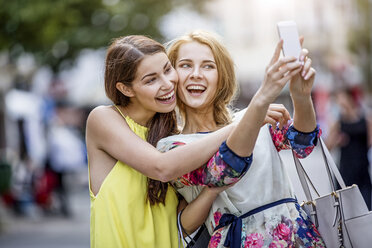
x=121, y=113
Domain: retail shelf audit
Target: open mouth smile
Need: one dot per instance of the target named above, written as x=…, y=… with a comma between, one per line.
x=167, y=98
x=195, y=90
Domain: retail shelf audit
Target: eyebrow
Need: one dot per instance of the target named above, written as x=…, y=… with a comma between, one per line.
x=154, y=73
x=204, y=61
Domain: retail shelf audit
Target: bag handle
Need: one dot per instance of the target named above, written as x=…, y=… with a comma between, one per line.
x=331, y=164
x=304, y=178
x=331, y=170
x=181, y=230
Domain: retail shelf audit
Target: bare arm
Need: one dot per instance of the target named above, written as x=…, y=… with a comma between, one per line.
x=304, y=118
x=107, y=131
x=334, y=136
x=196, y=212
x=278, y=73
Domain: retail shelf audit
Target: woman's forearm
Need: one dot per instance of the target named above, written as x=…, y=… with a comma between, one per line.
x=183, y=159
x=242, y=139
x=304, y=118
x=196, y=212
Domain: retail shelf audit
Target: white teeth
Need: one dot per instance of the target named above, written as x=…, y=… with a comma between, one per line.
x=196, y=87
x=169, y=95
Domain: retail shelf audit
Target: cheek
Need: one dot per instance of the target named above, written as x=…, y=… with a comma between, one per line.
x=174, y=76
x=180, y=94
x=214, y=77
x=182, y=75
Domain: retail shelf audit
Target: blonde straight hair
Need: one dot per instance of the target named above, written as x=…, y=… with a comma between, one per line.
x=227, y=87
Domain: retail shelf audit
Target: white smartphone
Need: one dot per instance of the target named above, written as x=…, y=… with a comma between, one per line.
x=291, y=43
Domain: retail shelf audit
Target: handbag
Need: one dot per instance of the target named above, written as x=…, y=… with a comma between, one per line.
x=341, y=217
x=199, y=240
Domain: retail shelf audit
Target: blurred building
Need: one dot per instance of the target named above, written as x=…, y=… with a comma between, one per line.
x=248, y=28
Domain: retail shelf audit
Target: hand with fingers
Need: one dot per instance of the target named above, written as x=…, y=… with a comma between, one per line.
x=277, y=74
x=300, y=87
x=302, y=83
x=216, y=190
x=277, y=113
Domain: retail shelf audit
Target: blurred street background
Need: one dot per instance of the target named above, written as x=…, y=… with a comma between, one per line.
x=51, y=76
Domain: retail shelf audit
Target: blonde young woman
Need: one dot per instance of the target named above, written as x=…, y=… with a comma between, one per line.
x=131, y=203
x=260, y=210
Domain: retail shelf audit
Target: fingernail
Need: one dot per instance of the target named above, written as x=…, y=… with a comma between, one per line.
x=303, y=73
x=307, y=77
x=302, y=58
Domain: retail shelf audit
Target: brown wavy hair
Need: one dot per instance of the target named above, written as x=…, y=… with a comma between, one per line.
x=227, y=86
x=122, y=60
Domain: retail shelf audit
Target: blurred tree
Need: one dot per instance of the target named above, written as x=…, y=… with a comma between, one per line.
x=360, y=39
x=56, y=31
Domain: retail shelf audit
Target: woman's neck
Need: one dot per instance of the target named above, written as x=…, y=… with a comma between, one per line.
x=199, y=121
x=139, y=115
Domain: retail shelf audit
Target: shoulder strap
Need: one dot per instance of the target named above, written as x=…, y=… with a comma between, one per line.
x=121, y=113
x=330, y=165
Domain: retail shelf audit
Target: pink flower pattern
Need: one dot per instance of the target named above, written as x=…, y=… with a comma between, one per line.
x=215, y=173
x=217, y=216
x=254, y=240
x=298, y=232
x=215, y=240
x=282, y=231
x=281, y=142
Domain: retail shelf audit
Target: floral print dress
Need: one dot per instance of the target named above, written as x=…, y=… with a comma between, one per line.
x=261, y=181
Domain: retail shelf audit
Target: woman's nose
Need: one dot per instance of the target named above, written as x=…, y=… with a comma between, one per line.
x=196, y=73
x=167, y=84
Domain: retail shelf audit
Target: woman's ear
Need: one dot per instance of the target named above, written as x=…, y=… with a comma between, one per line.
x=126, y=90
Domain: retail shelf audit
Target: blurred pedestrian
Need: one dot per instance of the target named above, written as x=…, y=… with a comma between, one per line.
x=351, y=133
x=66, y=151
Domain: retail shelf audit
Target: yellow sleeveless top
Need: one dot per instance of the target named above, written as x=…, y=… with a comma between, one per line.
x=120, y=215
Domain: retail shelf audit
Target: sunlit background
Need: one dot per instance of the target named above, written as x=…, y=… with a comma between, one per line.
x=51, y=76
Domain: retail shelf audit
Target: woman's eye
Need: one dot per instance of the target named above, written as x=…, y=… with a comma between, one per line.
x=167, y=70
x=209, y=67
x=184, y=66
x=151, y=80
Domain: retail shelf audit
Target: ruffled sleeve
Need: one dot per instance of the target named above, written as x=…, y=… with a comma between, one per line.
x=290, y=138
x=223, y=168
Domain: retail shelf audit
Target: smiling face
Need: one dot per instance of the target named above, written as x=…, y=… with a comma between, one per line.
x=155, y=84
x=198, y=75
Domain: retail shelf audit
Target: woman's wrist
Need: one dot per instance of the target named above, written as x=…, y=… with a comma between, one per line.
x=301, y=97
x=260, y=100
x=212, y=193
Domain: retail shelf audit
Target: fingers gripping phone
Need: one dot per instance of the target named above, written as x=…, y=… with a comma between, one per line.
x=291, y=43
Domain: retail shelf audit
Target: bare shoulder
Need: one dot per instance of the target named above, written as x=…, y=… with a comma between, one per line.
x=102, y=116
x=103, y=121
x=99, y=112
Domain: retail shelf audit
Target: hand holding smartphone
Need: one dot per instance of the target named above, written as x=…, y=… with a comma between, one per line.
x=291, y=43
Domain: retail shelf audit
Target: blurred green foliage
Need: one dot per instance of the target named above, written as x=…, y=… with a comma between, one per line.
x=56, y=31
x=360, y=40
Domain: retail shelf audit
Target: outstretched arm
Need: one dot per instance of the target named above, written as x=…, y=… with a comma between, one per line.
x=279, y=71
x=304, y=118
x=108, y=133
